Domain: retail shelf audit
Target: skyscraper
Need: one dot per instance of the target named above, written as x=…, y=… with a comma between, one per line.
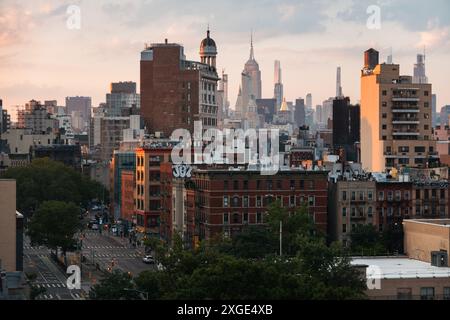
x=175, y=91
x=419, y=70
x=299, y=113
x=251, y=81
x=278, y=89
x=339, y=93
x=396, y=127
x=79, y=108
x=122, y=99
x=346, y=127
x=309, y=101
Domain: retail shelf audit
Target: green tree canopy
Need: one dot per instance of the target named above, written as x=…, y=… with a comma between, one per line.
x=115, y=286
x=46, y=180
x=54, y=225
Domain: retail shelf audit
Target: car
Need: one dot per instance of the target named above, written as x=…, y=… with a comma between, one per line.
x=148, y=259
x=94, y=227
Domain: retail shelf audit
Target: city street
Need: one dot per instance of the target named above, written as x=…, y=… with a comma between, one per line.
x=104, y=249
x=109, y=252
x=37, y=260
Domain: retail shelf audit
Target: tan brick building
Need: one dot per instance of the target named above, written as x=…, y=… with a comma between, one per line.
x=8, y=225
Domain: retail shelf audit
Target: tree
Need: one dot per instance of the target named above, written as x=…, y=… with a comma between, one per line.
x=35, y=291
x=366, y=240
x=46, y=180
x=54, y=225
x=115, y=286
x=297, y=225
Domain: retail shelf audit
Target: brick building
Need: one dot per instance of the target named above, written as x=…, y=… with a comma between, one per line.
x=175, y=92
x=220, y=201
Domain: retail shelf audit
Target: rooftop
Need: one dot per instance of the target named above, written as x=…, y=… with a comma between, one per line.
x=402, y=268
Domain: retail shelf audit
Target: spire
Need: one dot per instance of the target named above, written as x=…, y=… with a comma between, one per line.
x=207, y=32
x=252, y=54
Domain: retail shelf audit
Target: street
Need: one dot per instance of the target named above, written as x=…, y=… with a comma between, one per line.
x=109, y=252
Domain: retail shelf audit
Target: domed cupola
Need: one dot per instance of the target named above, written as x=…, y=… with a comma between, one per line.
x=208, y=50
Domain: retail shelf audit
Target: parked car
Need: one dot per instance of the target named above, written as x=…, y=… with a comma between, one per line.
x=94, y=227
x=148, y=259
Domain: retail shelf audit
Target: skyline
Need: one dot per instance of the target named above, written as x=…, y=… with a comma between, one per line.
x=308, y=39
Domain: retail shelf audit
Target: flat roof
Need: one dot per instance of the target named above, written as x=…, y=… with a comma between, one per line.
x=434, y=222
x=402, y=268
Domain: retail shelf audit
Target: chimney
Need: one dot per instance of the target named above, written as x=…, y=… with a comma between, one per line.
x=166, y=41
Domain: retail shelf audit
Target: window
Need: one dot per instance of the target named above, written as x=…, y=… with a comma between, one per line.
x=426, y=93
x=258, y=201
x=226, y=218
x=245, y=217
x=311, y=201
x=292, y=184
x=427, y=293
x=236, y=185
x=245, y=184
x=361, y=196
x=398, y=195
x=390, y=196
x=353, y=212
x=226, y=200
x=344, y=211
x=384, y=104
x=279, y=185
x=292, y=201
x=353, y=195
x=236, y=218
x=446, y=293
x=381, y=196
x=259, y=217
x=246, y=202
x=403, y=149
x=407, y=195
x=235, y=201
x=369, y=212
x=370, y=195
x=344, y=195
x=344, y=228
x=384, y=116
x=404, y=294
x=384, y=93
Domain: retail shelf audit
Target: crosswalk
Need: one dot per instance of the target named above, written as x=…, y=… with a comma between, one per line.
x=50, y=285
x=115, y=255
x=50, y=296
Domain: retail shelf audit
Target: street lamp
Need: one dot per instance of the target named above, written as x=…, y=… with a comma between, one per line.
x=145, y=294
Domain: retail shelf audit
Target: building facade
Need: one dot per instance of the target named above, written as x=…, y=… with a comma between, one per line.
x=176, y=92
x=396, y=124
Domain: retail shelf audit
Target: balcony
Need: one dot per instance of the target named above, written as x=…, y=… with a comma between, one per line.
x=406, y=133
x=406, y=120
x=405, y=110
x=405, y=99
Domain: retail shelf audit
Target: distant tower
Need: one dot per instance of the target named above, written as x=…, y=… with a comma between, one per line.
x=419, y=70
x=251, y=79
x=338, y=83
x=389, y=58
x=208, y=50
x=309, y=101
x=371, y=59
x=278, y=89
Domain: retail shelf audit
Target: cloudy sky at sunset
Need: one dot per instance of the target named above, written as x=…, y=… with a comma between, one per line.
x=41, y=58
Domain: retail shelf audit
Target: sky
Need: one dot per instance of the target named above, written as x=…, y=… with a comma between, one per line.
x=42, y=58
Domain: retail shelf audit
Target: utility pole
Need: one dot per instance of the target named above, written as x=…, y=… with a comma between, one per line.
x=281, y=238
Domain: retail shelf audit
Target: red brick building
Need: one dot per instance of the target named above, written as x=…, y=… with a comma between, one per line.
x=175, y=92
x=127, y=195
x=150, y=192
x=394, y=203
x=220, y=201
